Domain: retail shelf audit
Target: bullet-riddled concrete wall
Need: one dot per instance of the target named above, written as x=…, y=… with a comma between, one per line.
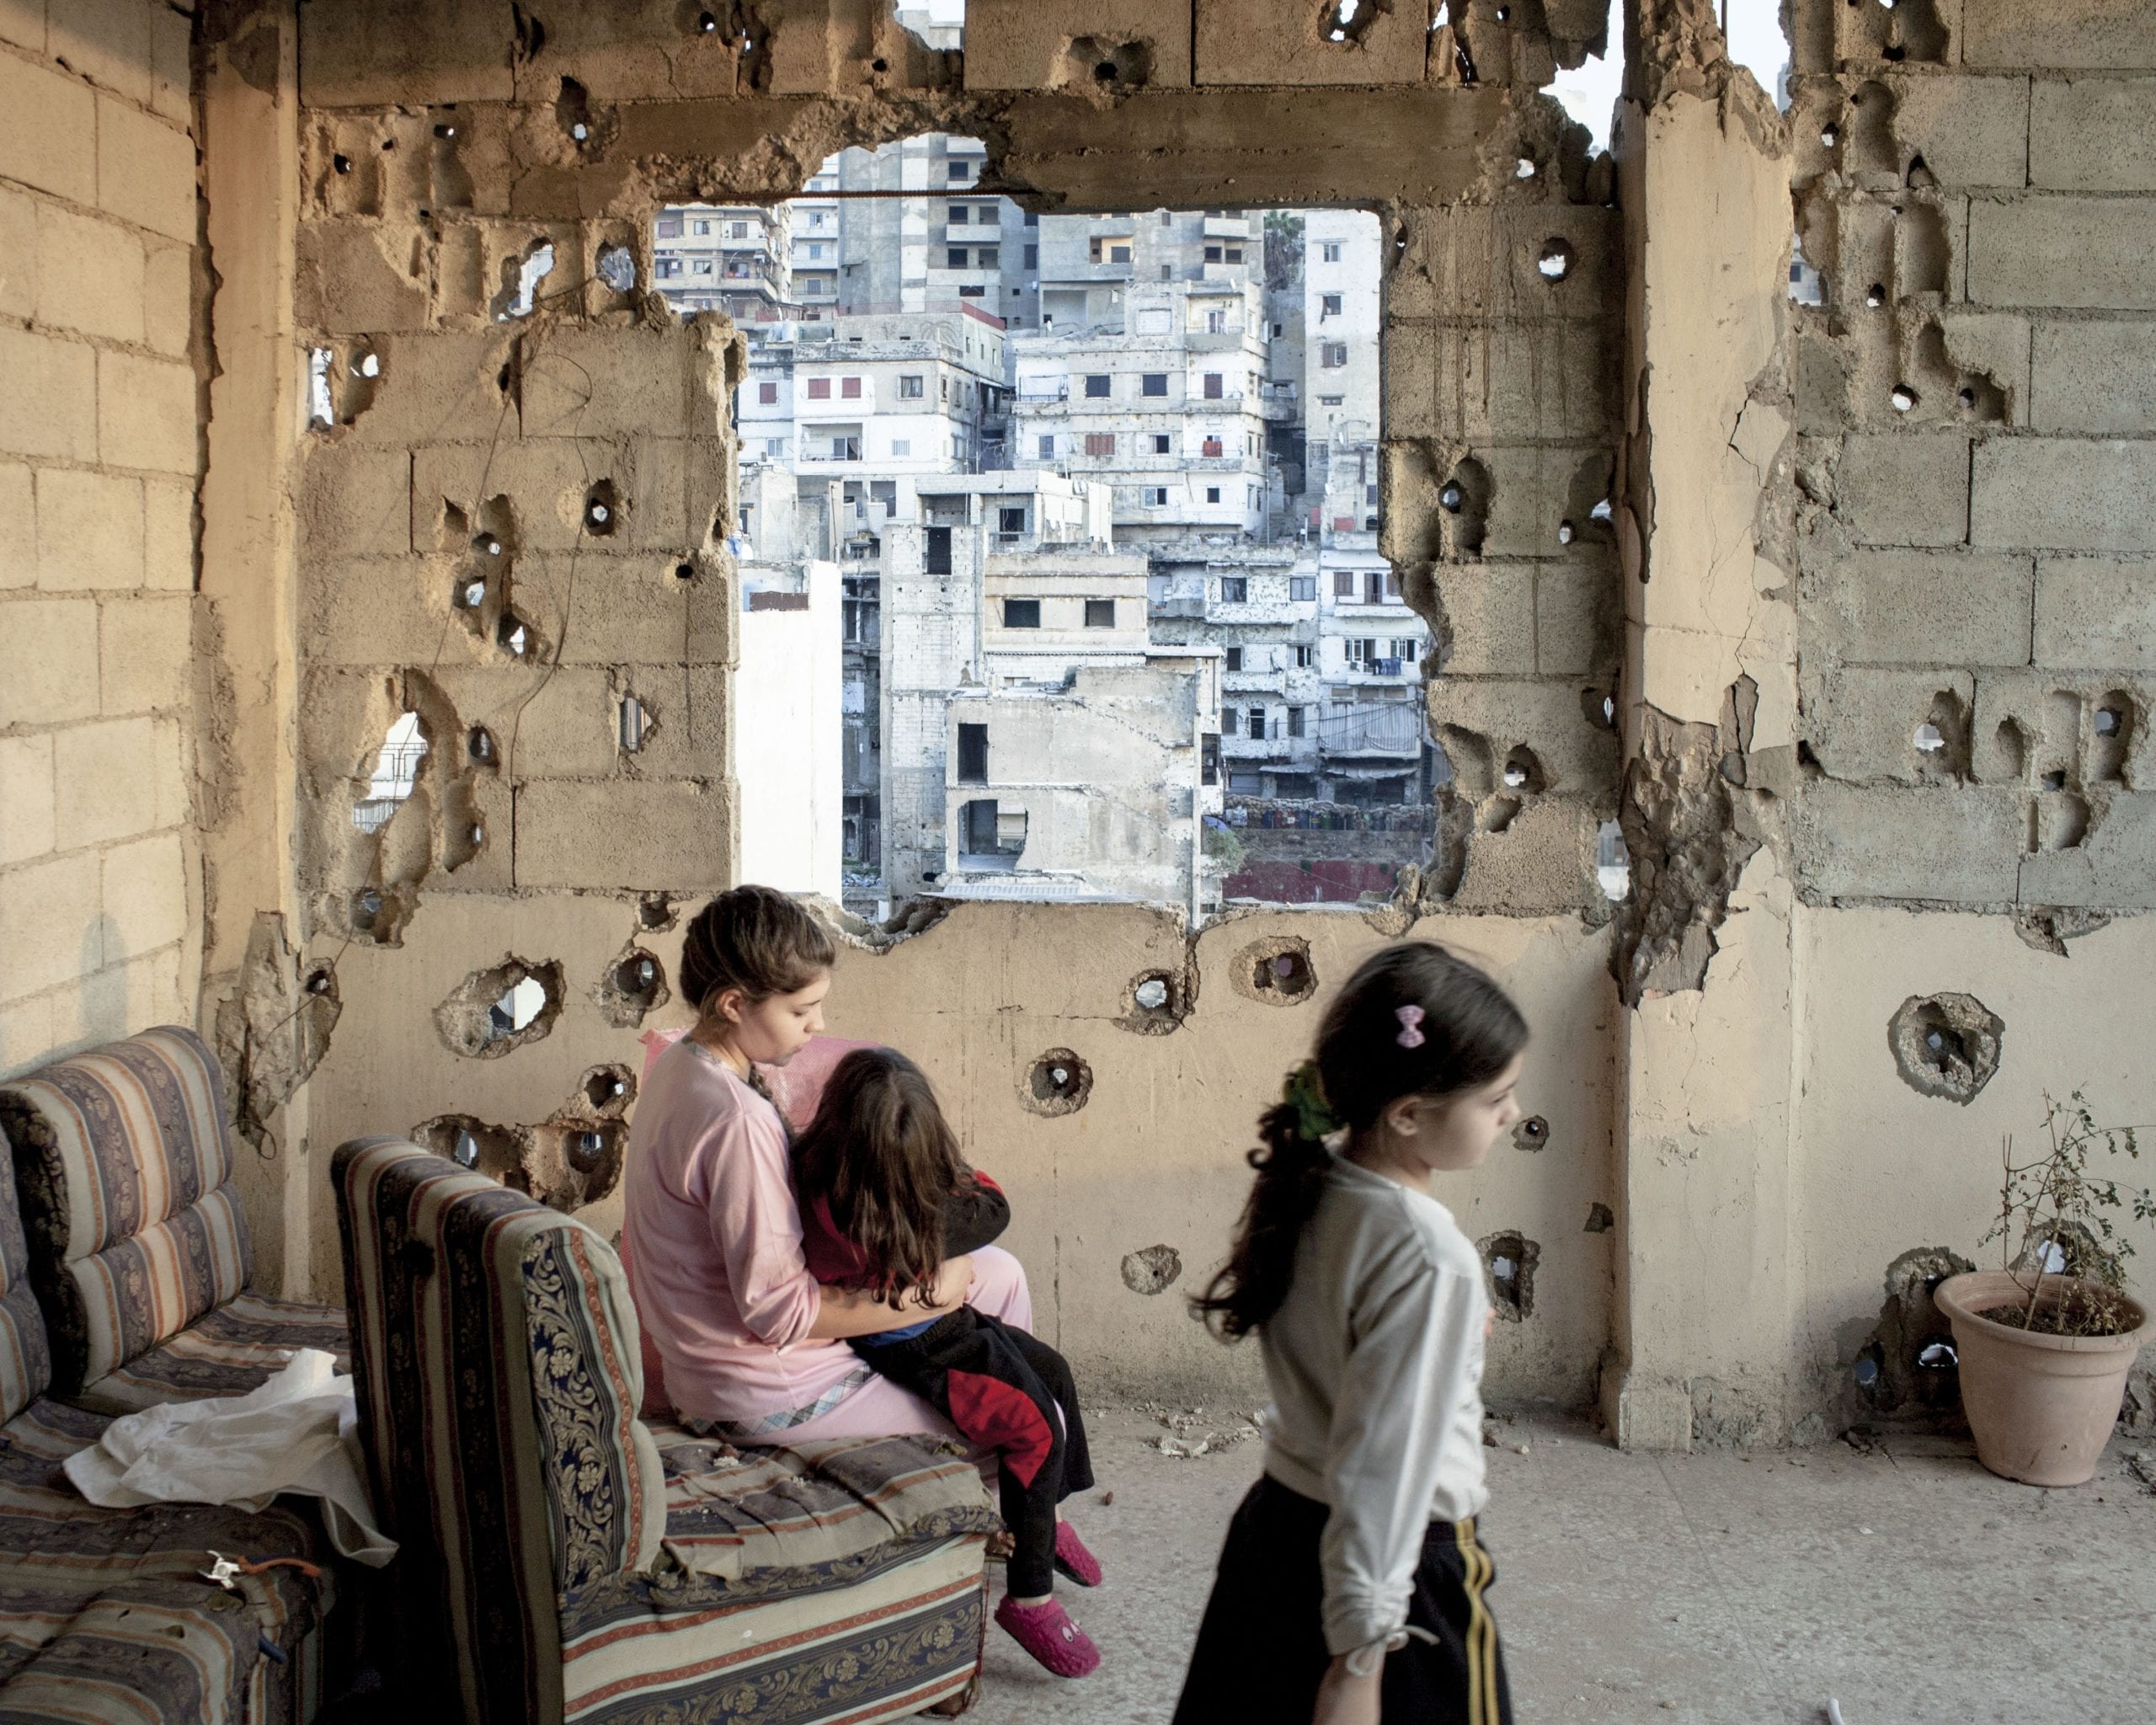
x=1974, y=461
x=436, y=152
x=101, y=884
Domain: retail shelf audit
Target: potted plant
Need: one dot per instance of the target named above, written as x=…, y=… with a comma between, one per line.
x=2045, y=1342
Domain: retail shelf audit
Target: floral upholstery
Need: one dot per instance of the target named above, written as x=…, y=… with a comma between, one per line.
x=134, y=1228
x=497, y=1364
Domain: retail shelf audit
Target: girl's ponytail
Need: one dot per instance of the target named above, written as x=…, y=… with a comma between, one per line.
x=1413, y=1021
x=1290, y=1160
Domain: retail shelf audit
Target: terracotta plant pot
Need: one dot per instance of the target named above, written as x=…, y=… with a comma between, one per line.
x=2040, y=1407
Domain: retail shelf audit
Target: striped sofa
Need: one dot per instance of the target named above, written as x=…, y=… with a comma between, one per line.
x=562, y=1561
x=138, y=1247
x=103, y=1613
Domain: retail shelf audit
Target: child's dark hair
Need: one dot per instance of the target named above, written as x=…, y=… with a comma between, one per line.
x=754, y=938
x=880, y=1153
x=1469, y=1032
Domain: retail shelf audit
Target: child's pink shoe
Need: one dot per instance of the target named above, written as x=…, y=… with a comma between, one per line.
x=1073, y=1559
x=1046, y=1632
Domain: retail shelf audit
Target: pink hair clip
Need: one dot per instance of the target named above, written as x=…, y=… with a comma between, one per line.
x=1410, y=1027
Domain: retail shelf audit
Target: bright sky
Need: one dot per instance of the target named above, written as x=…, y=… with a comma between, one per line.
x=1755, y=41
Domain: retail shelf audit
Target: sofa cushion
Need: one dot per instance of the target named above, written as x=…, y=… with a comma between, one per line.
x=235, y=1349
x=124, y=1173
x=25, y=1356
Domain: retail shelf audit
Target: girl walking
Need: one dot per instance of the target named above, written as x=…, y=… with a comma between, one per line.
x=884, y=1196
x=1353, y=1587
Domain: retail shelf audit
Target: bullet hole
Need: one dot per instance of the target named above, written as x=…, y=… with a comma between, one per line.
x=1531, y=1134
x=1276, y=971
x=2054, y=781
x=366, y=909
x=617, y=268
x=573, y=109
x=1612, y=862
x=521, y=280
x=494, y=1011
x=631, y=987
x=1523, y=772
x=1105, y=72
x=1347, y=21
x=1564, y=535
x=1556, y=260
x=1945, y=1045
x=445, y=131
x=479, y=745
x=879, y=65
x=1059, y=1082
x=1929, y=740
x=1968, y=398
x=1601, y=511
x=588, y=1150
x=1504, y=14
x=1452, y=497
x=1904, y=398
x=2065, y=824
x=512, y=635
x=496, y=1152
x=1153, y=1270
x=685, y=572
x=321, y=981
x=601, y=511
x=2112, y=725
x=1508, y=1262
x=343, y=164
x=1156, y=1005
x=1912, y=1362
x=395, y=771
x=1599, y=1220
x=1875, y=295
x=1830, y=135
x=655, y=912
x=1526, y=168
x=707, y=24
x=1497, y=815
x=632, y=724
x=608, y=1090
x=321, y=410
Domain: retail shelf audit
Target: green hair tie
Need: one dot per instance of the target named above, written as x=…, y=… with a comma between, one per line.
x=1305, y=1094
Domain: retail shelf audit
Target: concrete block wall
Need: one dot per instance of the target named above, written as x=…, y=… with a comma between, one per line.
x=1977, y=452
x=416, y=215
x=100, y=887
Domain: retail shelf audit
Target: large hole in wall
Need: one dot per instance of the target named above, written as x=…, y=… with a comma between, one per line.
x=496, y=1011
x=1945, y=1045
x=1074, y=521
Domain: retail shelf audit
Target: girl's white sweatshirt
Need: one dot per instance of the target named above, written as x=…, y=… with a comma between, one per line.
x=1376, y=1364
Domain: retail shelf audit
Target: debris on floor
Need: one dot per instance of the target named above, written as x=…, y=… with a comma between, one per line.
x=2142, y=1465
x=1189, y=1433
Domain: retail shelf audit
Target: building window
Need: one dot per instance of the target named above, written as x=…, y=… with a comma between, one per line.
x=1331, y=254
x=910, y=388
x=849, y=389
x=668, y=267
x=1097, y=386
x=1011, y=521
x=972, y=292
x=961, y=214
x=972, y=754
x=1100, y=443
x=820, y=389
x=846, y=449
x=1212, y=255
x=1403, y=649
x=1334, y=355
x=1215, y=387
x=1328, y=305
x=1048, y=446
x=703, y=267
x=1212, y=493
x=1235, y=254
x=775, y=446
x=815, y=251
x=939, y=550
x=1331, y=401
x=1374, y=586
x=955, y=257
x=1021, y=613
x=767, y=394
x=1256, y=720
x=1303, y=655
x=1033, y=218
x=958, y=171
x=670, y=227
x=1235, y=589
x=1153, y=497
x=1153, y=383
x=1302, y=589
x=1033, y=257
x=1227, y=721
x=1209, y=755
x=1100, y=613
x=1294, y=721
x=1234, y=658
x=1343, y=583
x=1162, y=444
x=987, y=257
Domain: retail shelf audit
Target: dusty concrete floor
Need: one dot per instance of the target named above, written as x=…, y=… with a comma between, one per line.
x=1909, y=1584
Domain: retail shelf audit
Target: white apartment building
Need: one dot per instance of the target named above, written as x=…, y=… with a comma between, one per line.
x=1171, y=412
x=915, y=236
x=731, y=258
x=1087, y=262
x=787, y=729
x=1342, y=270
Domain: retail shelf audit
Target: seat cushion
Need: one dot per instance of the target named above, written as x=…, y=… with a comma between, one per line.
x=227, y=1352
x=69, y=1569
x=25, y=1355
x=125, y=1171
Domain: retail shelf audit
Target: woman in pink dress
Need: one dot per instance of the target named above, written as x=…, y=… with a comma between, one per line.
x=752, y=1349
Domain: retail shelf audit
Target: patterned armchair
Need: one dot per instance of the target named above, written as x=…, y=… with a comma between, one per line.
x=562, y=1561
x=138, y=1246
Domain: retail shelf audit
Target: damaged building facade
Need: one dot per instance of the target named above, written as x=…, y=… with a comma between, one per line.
x=1844, y=612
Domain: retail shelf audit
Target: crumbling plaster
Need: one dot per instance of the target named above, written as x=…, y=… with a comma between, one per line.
x=1664, y=357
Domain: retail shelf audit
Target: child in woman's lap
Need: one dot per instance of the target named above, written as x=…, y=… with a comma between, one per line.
x=885, y=1199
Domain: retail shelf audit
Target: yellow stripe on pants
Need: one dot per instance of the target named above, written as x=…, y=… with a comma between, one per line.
x=1482, y=1630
